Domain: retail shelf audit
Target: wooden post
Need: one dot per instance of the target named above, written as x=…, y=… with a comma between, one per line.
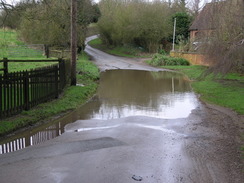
x=62, y=75
x=73, y=41
x=5, y=65
x=47, y=53
x=1, y=97
x=26, y=90
x=56, y=82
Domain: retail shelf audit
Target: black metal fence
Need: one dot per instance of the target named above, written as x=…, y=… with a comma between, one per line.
x=25, y=89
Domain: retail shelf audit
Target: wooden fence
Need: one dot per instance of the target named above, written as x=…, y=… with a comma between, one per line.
x=193, y=58
x=25, y=89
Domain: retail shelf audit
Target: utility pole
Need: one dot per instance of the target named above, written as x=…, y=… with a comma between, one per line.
x=174, y=35
x=73, y=41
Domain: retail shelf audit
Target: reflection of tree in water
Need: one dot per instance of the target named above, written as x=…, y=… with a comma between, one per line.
x=127, y=92
x=139, y=87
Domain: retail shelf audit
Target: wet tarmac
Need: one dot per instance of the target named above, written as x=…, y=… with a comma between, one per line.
x=121, y=93
x=124, y=148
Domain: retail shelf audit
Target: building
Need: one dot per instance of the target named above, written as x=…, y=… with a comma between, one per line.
x=204, y=24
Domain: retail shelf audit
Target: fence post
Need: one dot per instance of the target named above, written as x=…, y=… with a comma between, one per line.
x=56, y=82
x=26, y=90
x=1, y=97
x=5, y=65
x=47, y=51
x=62, y=79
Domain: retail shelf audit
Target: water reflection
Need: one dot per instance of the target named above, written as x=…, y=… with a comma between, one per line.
x=31, y=138
x=121, y=93
x=124, y=93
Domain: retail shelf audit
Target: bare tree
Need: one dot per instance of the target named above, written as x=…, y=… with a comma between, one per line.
x=225, y=46
x=196, y=6
x=4, y=7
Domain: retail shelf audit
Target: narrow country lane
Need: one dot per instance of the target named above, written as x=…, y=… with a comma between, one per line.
x=108, y=62
x=201, y=148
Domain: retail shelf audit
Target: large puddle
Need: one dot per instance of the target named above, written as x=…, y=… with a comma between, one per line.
x=121, y=93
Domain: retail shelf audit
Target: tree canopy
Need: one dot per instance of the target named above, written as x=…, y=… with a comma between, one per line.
x=183, y=23
x=134, y=22
x=48, y=21
x=141, y=23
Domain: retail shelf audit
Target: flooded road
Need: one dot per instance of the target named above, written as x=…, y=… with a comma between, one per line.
x=145, y=123
x=121, y=93
x=124, y=93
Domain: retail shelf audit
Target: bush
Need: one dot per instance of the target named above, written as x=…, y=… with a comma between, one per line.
x=162, y=60
x=134, y=22
x=162, y=52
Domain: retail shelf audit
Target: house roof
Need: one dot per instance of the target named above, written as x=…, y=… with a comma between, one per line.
x=205, y=19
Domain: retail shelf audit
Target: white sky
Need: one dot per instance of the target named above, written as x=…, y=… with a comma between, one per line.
x=12, y=1
x=15, y=1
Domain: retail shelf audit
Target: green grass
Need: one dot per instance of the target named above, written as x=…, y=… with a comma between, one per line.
x=9, y=37
x=20, y=66
x=88, y=72
x=226, y=91
x=12, y=48
x=72, y=98
x=123, y=51
x=10, y=45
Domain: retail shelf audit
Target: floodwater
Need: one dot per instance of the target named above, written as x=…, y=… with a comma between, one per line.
x=121, y=93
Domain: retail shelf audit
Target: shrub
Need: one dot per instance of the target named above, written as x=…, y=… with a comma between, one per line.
x=134, y=22
x=162, y=60
x=162, y=52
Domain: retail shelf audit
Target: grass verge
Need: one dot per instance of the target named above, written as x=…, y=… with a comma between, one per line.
x=226, y=91
x=73, y=96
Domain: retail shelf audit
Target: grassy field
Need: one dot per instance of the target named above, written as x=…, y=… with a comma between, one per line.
x=72, y=98
x=9, y=37
x=20, y=66
x=12, y=48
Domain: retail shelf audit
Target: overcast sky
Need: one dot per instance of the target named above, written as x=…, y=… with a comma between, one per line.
x=12, y=1
x=15, y=1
